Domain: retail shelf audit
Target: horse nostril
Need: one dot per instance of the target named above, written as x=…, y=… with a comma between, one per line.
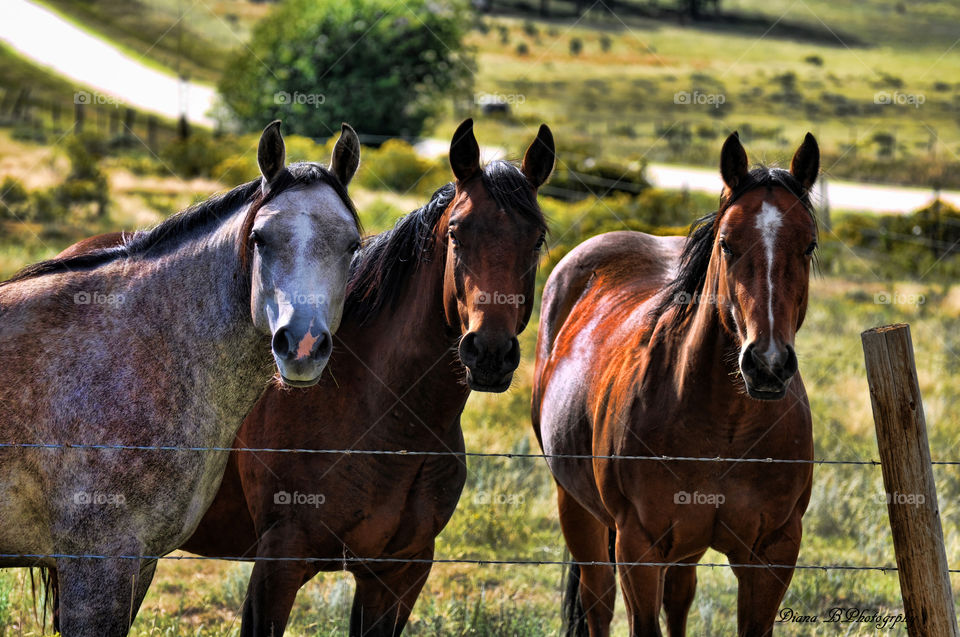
x=790, y=365
x=512, y=359
x=283, y=345
x=469, y=352
x=324, y=345
x=748, y=362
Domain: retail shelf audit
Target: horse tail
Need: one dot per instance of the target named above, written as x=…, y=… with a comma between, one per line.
x=49, y=587
x=574, y=616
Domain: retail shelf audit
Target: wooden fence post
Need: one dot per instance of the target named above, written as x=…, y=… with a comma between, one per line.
x=908, y=482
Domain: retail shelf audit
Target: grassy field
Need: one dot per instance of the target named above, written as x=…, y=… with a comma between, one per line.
x=882, y=113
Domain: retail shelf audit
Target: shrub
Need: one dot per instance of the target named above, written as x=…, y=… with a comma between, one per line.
x=523, y=49
x=381, y=215
x=396, y=166
x=196, y=156
x=12, y=197
x=576, y=46
x=381, y=65
x=86, y=183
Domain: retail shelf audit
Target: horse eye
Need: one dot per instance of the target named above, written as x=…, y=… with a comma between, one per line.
x=726, y=249
x=540, y=242
x=354, y=247
x=453, y=240
x=810, y=249
x=256, y=238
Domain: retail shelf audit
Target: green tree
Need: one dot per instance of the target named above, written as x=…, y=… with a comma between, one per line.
x=382, y=66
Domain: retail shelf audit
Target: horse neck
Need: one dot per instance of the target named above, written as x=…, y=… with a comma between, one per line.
x=701, y=364
x=201, y=292
x=422, y=339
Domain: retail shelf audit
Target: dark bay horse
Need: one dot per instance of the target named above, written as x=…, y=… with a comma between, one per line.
x=166, y=339
x=665, y=346
x=433, y=310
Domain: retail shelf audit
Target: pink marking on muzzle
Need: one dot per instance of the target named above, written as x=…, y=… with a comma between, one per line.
x=305, y=346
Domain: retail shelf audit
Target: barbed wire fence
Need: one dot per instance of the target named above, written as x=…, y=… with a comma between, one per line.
x=347, y=560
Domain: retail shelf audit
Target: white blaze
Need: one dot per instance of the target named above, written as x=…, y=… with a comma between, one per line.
x=769, y=222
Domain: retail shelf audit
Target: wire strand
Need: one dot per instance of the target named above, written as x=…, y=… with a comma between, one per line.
x=476, y=562
x=463, y=454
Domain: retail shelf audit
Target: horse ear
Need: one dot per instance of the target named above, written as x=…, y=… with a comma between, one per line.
x=271, y=153
x=733, y=161
x=346, y=154
x=464, y=152
x=806, y=162
x=539, y=159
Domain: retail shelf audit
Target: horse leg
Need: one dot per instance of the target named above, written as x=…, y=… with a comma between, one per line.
x=100, y=598
x=384, y=599
x=270, y=595
x=588, y=541
x=762, y=589
x=642, y=585
x=679, y=586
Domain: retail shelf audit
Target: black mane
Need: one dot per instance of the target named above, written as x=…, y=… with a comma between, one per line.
x=695, y=258
x=390, y=258
x=200, y=218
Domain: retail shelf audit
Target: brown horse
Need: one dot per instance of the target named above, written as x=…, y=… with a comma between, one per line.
x=660, y=346
x=433, y=310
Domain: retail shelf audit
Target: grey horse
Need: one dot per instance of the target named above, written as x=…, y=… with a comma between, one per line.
x=166, y=339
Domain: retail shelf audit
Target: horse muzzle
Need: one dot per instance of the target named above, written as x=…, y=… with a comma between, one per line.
x=490, y=362
x=767, y=373
x=301, y=355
